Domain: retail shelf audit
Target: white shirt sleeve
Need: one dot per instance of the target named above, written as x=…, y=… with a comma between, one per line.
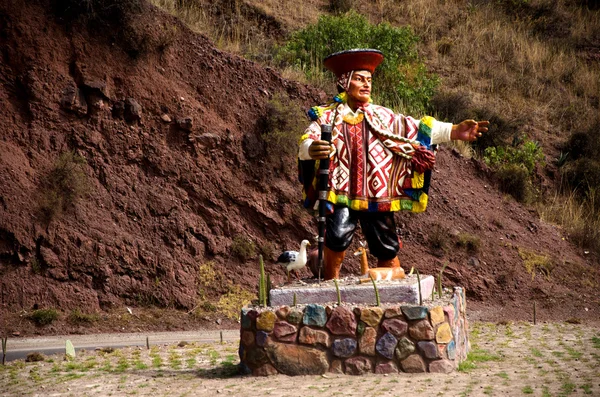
x=303, y=149
x=440, y=132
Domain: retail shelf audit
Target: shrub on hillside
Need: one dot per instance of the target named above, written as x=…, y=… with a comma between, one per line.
x=528, y=154
x=584, y=143
x=583, y=176
x=504, y=131
x=514, y=180
x=43, y=317
x=243, y=248
x=341, y=6
x=401, y=81
x=281, y=126
x=63, y=186
x=452, y=106
x=515, y=167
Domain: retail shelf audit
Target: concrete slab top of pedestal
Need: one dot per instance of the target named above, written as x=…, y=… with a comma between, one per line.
x=311, y=291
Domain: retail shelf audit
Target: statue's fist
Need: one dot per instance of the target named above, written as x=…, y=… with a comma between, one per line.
x=319, y=150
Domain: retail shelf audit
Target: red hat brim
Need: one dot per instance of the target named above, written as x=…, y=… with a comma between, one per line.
x=357, y=59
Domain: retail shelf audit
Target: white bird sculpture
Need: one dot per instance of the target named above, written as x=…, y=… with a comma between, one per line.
x=294, y=260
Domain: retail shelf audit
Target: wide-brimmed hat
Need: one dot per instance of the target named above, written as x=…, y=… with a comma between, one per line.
x=356, y=59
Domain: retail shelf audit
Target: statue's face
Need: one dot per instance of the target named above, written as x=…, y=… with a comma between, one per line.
x=360, y=86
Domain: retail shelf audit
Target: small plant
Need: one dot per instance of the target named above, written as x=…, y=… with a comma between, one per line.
x=63, y=186
x=535, y=262
x=36, y=268
x=528, y=154
x=470, y=242
x=441, y=274
x=243, y=248
x=279, y=126
x=419, y=285
x=515, y=166
x=233, y=300
x=514, y=180
x=337, y=290
x=43, y=317
x=377, y=301
x=527, y=390
x=438, y=239
x=262, y=285
x=294, y=300
x=78, y=317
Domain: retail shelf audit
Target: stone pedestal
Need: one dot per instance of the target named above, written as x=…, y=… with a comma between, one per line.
x=406, y=290
x=354, y=339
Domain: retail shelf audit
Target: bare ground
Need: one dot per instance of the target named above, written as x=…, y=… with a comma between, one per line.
x=506, y=359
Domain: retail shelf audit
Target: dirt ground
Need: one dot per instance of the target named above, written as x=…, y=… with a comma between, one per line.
x=506, y=359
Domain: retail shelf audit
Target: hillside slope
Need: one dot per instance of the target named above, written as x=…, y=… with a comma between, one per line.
x=177, y=171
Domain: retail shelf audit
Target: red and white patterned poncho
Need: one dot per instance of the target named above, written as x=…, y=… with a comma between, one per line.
x=375, y=166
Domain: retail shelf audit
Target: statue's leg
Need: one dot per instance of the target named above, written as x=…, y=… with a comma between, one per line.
x=379, y=229
x=338, y=236
x=332, y=263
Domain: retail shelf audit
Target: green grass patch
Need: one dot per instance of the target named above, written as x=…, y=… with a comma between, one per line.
x=140, y=365
x=566, y=389
x=466, y=366
x=481, y=355
x=596, y=342
x=122, y=365
x=174, y=360
x=536, y=352
x=527, y=390
x=43, y=317
x=157, y=361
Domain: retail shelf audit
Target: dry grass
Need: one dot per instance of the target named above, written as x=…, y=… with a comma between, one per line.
x=536, y=263
x=579, y=219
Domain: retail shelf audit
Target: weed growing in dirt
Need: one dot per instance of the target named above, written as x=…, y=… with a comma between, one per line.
x=174, y=360
x=63, y=186
x=78, y=317
x=438, y=239
x=233, y=300
x=243, y=248
x=535, y=263
x=468, y=241
x=43, y=317
x=280, y=127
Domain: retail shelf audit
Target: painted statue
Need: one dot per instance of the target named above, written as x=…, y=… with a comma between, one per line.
x=380, y=161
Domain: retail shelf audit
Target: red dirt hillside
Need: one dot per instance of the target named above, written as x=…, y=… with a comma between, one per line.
x=176, y=169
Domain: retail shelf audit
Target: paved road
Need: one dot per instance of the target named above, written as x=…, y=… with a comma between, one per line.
x=19, y=348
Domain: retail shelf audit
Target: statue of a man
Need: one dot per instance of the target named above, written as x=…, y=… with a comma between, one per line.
x=380, y=161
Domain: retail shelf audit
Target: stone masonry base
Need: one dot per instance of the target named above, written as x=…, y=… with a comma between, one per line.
x=314, y=339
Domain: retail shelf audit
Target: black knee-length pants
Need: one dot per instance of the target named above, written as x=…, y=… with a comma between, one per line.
x=379, y=229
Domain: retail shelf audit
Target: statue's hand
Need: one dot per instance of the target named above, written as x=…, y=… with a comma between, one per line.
x=319, y=150
x=469, y=130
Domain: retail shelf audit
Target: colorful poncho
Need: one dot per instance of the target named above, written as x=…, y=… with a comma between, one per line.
x=382, y=160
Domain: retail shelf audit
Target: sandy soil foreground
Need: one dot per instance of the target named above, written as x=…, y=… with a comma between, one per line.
x=506, y=359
